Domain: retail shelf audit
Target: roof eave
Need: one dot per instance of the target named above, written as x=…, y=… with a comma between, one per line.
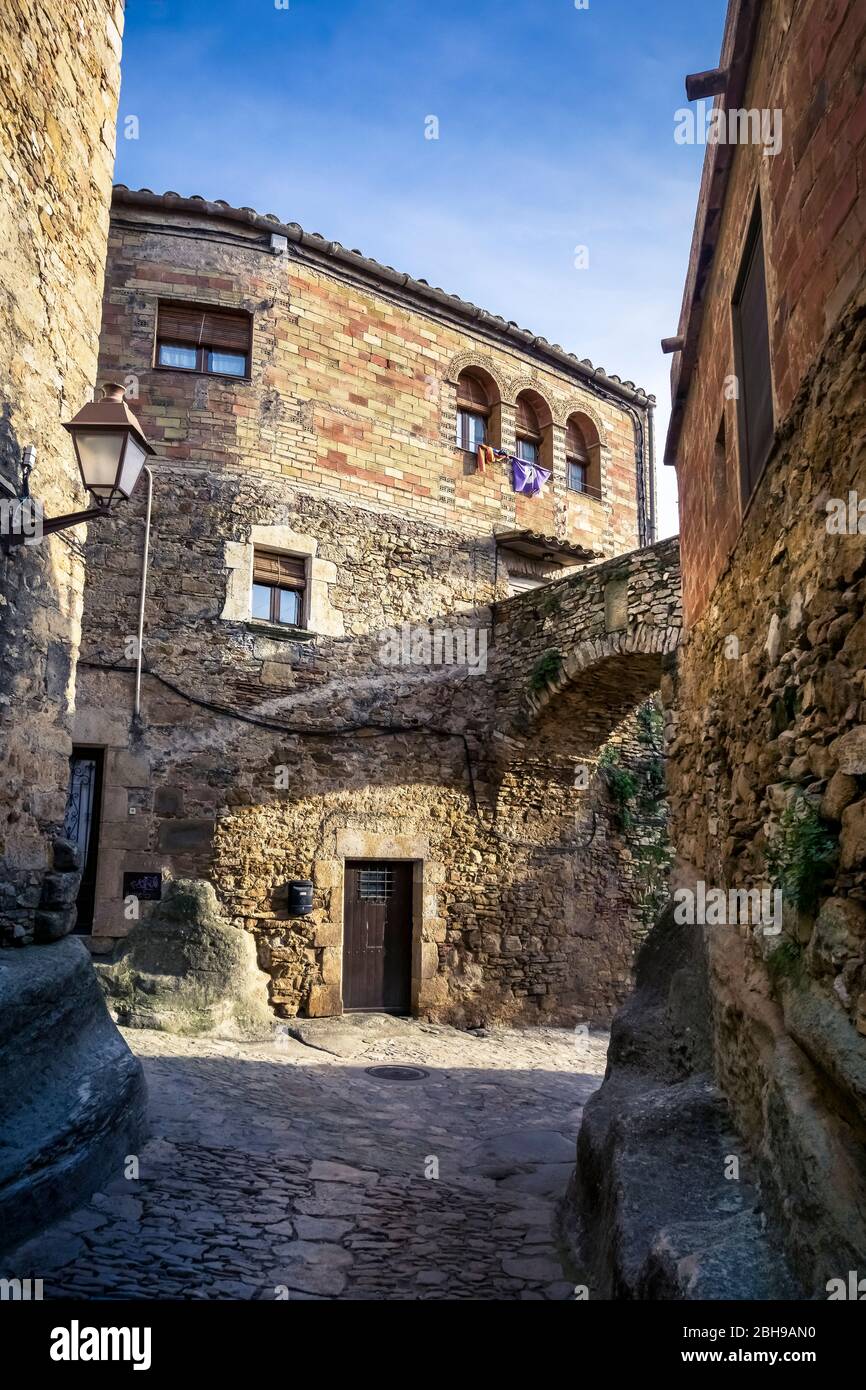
x=417, y=289
x=741, y=27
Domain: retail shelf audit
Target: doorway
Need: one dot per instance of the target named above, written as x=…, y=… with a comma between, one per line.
x=82, y=824
x=377, y=938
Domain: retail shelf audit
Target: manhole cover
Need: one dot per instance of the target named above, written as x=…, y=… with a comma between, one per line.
x=397, y=1073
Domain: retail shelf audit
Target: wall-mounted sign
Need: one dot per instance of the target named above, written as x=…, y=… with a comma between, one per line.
x=146, y=887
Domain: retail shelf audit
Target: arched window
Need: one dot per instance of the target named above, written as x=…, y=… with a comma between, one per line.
x=528, y=431
x=474, y=405
x=576, y=457
x=583, y=455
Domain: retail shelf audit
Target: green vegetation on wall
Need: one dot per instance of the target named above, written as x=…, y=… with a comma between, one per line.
x=801, y=854
x=634, y=776
x=546, y=668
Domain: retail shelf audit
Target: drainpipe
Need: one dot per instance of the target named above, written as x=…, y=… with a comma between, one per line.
x=652, y=472
x=142, y=595
x=645, y=514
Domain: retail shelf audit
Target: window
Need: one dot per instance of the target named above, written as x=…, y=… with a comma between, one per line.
x=576, y=457
x=190, y=339
x=473, y=412
x=528, y=431
x=279, y=586
x=583, y=457
x=752, y=358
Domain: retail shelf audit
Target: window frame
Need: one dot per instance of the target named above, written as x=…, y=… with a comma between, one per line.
x=463, y=417
x=751, y=470
x=299, y=587
x=572, y=461
x=202, y=350
x=468, y=409
x=580, y=455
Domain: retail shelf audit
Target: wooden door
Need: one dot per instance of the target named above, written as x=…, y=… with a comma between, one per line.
x=377, y=936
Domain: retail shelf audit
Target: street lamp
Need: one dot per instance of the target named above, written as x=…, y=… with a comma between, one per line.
x=111, y=449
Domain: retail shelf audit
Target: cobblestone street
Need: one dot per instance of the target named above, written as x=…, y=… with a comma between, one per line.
x=285, y=1170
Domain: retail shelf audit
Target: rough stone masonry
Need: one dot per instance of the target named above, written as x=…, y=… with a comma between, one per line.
x=269, y=752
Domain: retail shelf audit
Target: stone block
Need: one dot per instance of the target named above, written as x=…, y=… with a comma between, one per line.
x=332, y=965
x=325, y=1001
x=185, y=836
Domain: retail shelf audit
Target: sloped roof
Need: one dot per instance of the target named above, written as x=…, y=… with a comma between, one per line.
x=511, y=332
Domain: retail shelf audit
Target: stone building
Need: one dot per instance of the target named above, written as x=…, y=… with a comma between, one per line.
x=331, y=692
x=70, y=1091
x=767, y=759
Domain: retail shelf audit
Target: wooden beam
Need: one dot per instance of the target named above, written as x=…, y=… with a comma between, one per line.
x=706, y=84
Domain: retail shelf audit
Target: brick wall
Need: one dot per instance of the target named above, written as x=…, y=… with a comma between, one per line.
x=59, y=80
x=352, y=392
x=808, y=62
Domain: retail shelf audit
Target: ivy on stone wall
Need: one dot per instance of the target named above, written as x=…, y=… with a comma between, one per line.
x=546, y=668
x=634, y=776
x=801, y=854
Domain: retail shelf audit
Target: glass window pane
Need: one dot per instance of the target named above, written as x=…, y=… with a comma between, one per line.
x=177, y=356
x=290, y=606
x=261, y=601
x=229, y=363
x=471, y=430
x=527, y=450
x=576, y=476
x=477, y=432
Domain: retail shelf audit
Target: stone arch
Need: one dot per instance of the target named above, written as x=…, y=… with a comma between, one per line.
x=609, y=675
x=578, y=405
x=543, y=408
x=464, y=361
x=526, y=381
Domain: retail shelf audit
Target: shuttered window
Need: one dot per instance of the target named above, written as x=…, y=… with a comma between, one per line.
x=201, y=339
x=752, y=349
x=472, y=393
x=527, y=420
x=279, y=586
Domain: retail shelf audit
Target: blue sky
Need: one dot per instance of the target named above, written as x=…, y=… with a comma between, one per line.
x=555, y=131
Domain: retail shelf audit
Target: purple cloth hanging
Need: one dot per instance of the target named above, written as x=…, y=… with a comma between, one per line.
x=528, y=478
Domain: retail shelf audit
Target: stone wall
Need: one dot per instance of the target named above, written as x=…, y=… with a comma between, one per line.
x=767, y=767
x=259, y=759
x=767, y=780
x=59, y=80
x=71, y=1093
x=264, y=753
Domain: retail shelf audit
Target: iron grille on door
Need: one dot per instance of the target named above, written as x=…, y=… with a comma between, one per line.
x=375, y=885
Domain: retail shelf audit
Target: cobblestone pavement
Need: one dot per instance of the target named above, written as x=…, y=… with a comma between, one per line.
x=284, y=1170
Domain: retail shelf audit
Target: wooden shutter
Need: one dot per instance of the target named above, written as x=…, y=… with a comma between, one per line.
x=184, y=324
x=753, y=352
x=527, y=420
x=575, y=444
x=279, y=571
x=472, y=394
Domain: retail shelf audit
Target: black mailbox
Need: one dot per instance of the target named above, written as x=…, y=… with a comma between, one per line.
x=300, y=897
